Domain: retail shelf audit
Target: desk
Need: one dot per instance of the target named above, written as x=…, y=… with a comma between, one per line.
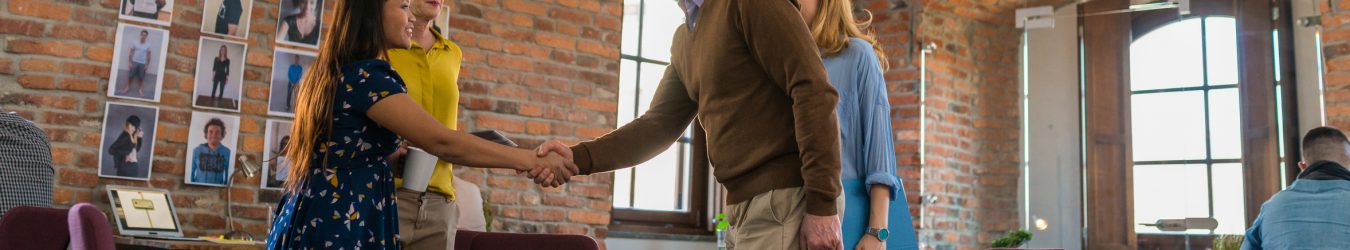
x=124, y=242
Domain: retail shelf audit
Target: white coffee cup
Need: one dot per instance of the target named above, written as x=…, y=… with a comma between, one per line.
x=417, y=169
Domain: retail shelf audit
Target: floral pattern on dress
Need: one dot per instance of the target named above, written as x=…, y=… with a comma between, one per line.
x=347, y=200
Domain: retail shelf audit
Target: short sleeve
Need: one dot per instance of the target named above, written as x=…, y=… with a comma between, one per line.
x=369, y=85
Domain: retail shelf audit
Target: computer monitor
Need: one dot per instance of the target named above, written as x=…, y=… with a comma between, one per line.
x=144, y=212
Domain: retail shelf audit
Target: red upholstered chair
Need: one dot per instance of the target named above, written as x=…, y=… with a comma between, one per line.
x=89, y=228
x=34, y=228
x=471, y=240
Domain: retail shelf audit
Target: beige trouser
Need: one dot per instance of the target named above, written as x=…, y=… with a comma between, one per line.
x=426, y=220
x=771, y=220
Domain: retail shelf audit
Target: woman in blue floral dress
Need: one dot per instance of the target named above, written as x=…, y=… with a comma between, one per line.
x=351, y=112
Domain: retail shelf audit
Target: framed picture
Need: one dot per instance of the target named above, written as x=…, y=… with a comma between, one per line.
x=220, y=75
x=128, y=141
x=227, y=17
x=275, y=165
x=158, y=12
x=288, y=66
x=138, y=63
x=300, y=22
x=211, y=148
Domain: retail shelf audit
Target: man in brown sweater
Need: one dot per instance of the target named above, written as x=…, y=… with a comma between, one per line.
x=752, y=74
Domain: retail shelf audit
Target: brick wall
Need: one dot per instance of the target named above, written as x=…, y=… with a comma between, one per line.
x=1336, y=53
x=972, y=117
x=533, y=69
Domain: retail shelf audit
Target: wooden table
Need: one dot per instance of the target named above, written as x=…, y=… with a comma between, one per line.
x=124, y=242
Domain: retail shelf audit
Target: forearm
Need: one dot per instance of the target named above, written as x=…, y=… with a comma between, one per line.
x=467, y=150
x=879, y=206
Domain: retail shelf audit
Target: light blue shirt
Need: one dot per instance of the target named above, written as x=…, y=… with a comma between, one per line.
x=205, y=156
x=867, y=150
x=690, y=11
x=1311, y=214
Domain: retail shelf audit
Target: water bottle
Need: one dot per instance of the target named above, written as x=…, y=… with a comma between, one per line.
x=722, y=227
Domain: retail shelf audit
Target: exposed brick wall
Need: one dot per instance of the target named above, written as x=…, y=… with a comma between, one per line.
x=973, y=119
x=1336, y=50
x=533, y=69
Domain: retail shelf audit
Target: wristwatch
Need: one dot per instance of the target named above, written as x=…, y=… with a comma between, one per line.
x=880, y=233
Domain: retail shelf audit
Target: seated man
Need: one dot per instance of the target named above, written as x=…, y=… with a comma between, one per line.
x=25, y=164
x=1314, y=212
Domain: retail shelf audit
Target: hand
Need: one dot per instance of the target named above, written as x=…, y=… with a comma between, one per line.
x=552, y=170
x=821, y=232
x=870, y=242
x=396, y=159
x=542, y=175
x=140, y=134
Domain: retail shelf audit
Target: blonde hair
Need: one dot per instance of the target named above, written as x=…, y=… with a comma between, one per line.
x=835, y=24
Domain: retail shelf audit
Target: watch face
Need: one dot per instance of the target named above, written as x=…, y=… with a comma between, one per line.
x=883, y=234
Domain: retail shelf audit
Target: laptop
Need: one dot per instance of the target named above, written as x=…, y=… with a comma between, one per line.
x=145, y=213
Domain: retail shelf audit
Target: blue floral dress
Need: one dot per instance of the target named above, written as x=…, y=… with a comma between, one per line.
x=349, y=204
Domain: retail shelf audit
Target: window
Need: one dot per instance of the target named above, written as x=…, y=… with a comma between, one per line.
x=669, y=190
x=1186, y=125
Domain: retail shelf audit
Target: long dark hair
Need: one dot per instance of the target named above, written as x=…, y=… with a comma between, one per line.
x=357, y=34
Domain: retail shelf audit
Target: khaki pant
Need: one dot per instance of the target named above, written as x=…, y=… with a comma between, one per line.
x=426, y=220
x=771, y=220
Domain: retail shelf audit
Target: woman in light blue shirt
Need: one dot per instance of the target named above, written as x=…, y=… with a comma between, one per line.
x=873, y=217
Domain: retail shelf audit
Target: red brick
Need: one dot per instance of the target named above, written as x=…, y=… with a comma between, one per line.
x=82, y=33
x=22, y=27
x=80, y=85
x=556, y=41
x=588, y=217
x=76, y=178
x=504, y=124
x=39, y=65
x=45, y=47
x=524, y=6
x=100, y=53
x=41, y=9
x=37, y=82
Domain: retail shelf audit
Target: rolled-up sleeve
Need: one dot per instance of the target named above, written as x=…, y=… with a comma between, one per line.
x=878, y=149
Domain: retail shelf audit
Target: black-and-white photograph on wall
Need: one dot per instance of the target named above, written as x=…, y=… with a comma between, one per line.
x=128, y=141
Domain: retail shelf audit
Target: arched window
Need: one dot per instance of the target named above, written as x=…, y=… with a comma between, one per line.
x=1187, y=140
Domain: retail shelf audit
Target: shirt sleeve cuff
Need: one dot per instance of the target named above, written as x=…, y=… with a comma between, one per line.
x=582, y=157
x=883, y=179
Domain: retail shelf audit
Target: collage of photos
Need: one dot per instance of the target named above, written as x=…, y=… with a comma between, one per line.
x=128, y=141
x=138, y=69
x=220, y=75
x=277, y=166
x=212, y=141
x=138, y=63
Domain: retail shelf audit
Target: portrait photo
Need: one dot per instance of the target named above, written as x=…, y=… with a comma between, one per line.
x=220, y=75
x=211, y=148
x=158, y=12
x=226, y=17
x=128, y=141
x=138, y=62
x=300, y=22
x=288, y=66
x=277, y=166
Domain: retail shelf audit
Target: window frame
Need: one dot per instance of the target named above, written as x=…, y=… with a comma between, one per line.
x=692, y=221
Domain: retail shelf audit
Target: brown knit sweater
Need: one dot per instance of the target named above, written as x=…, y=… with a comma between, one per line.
x=753, y=76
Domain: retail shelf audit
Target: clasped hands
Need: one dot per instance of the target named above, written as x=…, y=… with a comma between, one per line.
x=553, y=166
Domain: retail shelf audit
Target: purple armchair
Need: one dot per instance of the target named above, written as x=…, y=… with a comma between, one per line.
x=34, y=228
x=89, y=228
x=469, y=240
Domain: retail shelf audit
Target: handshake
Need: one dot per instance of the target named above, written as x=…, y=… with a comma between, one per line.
x=552, y=165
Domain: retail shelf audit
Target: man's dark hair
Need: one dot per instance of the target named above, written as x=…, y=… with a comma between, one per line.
x=134, y=121
x=214, y=122
x=143, y=32
x=1324, y=143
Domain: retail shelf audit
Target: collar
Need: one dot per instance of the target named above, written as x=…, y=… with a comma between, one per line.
x=691, y=8
x=441, y=41
x=1325, y=170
